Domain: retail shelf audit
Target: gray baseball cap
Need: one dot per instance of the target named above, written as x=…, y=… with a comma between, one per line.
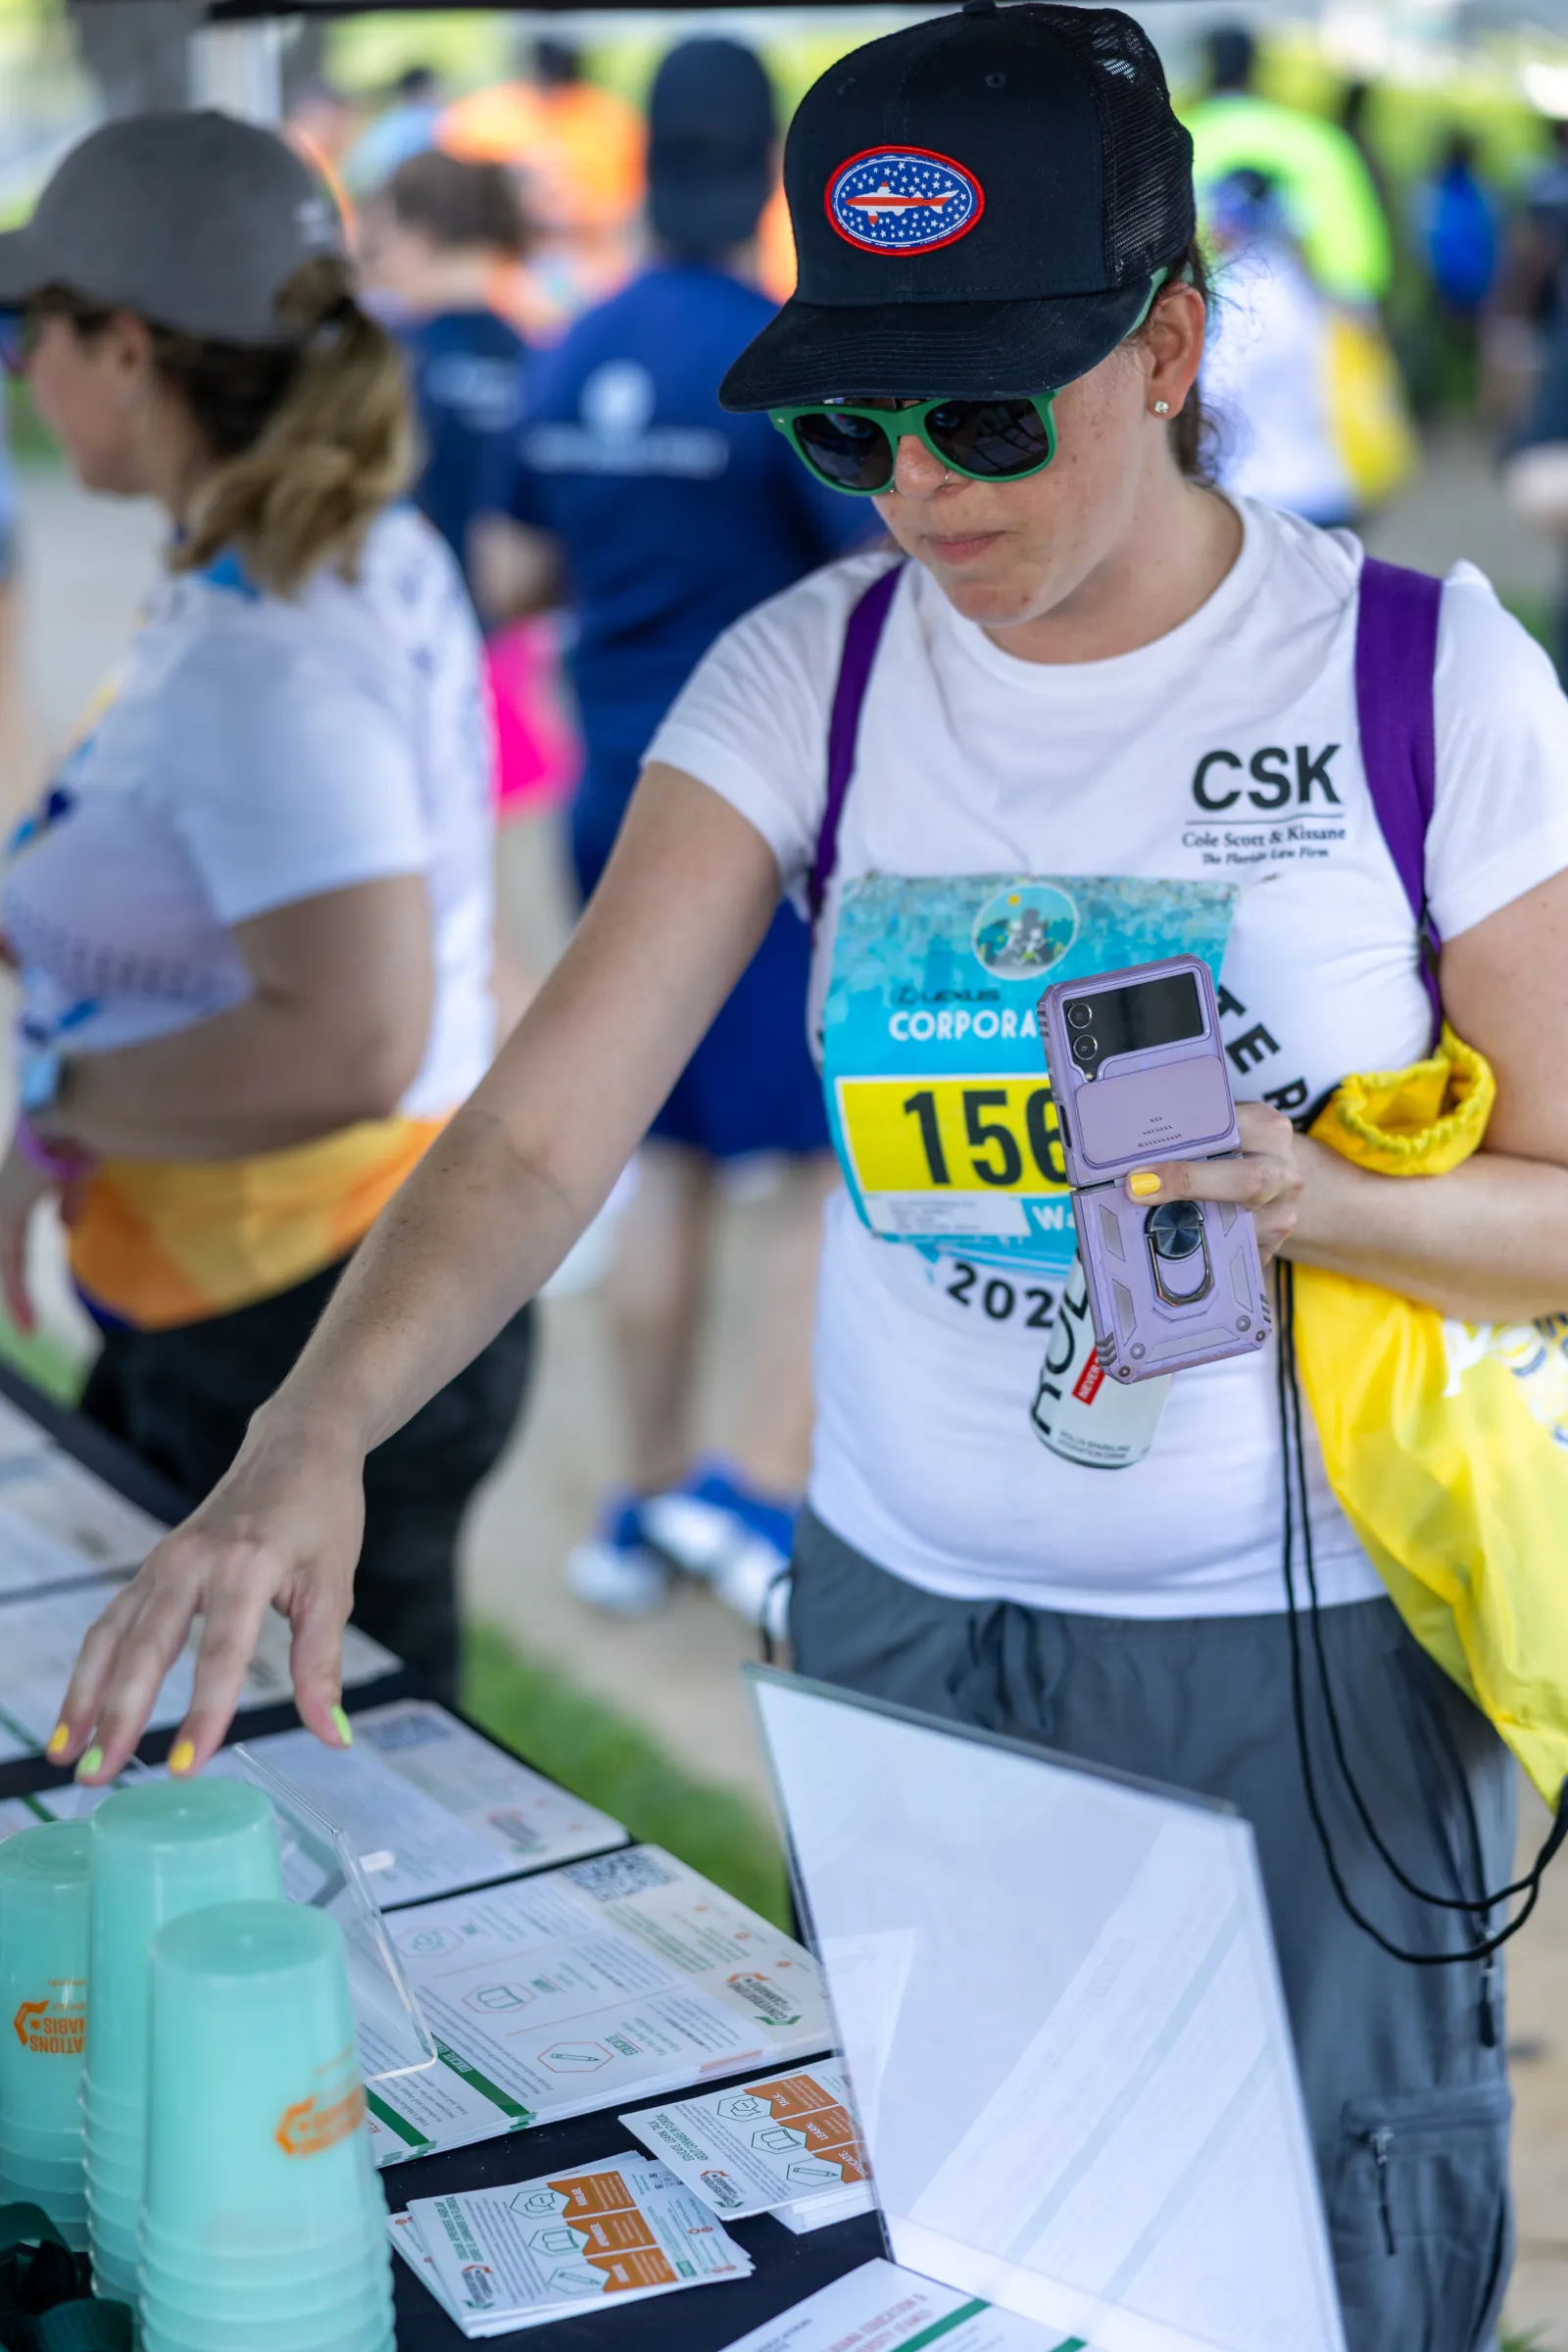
x=193, y=221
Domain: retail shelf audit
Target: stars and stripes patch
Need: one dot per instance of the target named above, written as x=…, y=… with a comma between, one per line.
x=903, y=200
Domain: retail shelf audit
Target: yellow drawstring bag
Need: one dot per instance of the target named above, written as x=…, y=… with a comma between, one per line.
x=1369, y=416
x=1446, y=1443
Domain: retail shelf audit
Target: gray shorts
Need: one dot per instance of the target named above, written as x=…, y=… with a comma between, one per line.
x=1402, y=2067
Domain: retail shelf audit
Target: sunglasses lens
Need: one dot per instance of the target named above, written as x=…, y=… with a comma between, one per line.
x=850, y=452
x=990, y=438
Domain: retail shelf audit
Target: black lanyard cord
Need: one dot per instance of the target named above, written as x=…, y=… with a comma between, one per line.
x=1476, y=1906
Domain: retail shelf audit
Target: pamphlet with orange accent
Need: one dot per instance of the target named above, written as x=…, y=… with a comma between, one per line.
x=498, y=2258
x=606, y=1980
x=787, y=2144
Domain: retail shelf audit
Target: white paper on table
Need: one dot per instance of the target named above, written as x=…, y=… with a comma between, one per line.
x=41, y=1634
x=1087, y=2107
x=430, y=1806
x=775, y=2141
x=60, y=1499
x=572, y=1990
x=881, y=2308
x=535, y=2250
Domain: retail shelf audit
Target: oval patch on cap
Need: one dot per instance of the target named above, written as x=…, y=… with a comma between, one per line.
x=903, y=200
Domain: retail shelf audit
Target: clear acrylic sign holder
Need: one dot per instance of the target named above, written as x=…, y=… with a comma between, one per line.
x=322, y=1868
x=1061, y=2014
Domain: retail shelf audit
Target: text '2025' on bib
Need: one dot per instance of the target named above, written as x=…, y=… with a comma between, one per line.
x=938, y=1094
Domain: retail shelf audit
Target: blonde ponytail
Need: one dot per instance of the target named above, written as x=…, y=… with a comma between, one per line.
x=314, y=437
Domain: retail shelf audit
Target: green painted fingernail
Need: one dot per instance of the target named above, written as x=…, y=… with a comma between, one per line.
x=342, y=1726
x=91, y=1762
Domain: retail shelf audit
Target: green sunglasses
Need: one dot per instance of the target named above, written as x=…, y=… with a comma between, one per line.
x=854, y=447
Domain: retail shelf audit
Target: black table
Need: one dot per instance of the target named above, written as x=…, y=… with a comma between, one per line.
x=788, y=2268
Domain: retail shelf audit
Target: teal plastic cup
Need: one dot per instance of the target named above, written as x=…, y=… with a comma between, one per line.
x=357, y=2311
x=258, y=2168
x=43, y=1998
x=157, y=1852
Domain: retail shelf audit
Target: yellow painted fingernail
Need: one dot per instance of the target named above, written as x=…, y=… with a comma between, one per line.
x=91, y=1762
x=342, y=1726
x=1142, y=1184
x=59, y=1740
x=182, y=1755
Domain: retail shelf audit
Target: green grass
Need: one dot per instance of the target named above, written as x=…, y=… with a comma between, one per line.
x=46, y=1359
x=596, y=1751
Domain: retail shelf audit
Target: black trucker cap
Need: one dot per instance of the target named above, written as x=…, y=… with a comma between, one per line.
x=710, y=133
x=195, y=221
x=980, y=203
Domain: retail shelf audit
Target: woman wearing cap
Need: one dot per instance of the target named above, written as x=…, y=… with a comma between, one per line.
x=1090, y=665
x=252, y=914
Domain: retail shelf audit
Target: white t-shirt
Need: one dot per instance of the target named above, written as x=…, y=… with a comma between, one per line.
x=972, y=762
x=254, y=751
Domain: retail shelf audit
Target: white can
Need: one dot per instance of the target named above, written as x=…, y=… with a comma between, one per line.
x=1077, y=1411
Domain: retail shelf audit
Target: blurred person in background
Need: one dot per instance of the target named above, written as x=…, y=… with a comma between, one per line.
x=319, y=125
x=1325, y=185
x=669, y=518
x=406, y=127
x=1456, y=224
x=1266, y=365
x=441, y=233
x=252, y=913
x=577, y=149
x=446, y=226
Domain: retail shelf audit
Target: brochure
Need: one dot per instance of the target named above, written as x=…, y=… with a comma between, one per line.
x=880, y=2307
x=431, y=1806
x=499, y=2259
x=49, y=1495
x=782, y=2146
x=40, y=1635
x=584, y=1986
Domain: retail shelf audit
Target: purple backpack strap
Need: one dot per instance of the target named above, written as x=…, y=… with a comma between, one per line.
x=1395, y=667
x=861, y=638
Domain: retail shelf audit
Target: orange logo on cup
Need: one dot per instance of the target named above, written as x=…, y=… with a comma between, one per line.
x=51, y=2032
x=313, y=2125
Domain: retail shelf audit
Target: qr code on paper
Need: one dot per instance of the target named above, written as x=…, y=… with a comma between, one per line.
x=615, y=1875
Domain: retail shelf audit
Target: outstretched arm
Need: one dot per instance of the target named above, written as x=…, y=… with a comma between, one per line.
x=480, y=1225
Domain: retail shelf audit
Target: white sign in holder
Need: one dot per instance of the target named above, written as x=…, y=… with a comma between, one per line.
x=1061, y=2019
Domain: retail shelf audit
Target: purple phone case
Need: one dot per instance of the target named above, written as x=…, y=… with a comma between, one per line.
x=1187, y=1289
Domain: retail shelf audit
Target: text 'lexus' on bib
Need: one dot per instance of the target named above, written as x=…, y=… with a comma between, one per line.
x=904, y=200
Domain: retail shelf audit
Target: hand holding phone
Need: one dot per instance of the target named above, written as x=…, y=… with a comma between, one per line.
x=1139, y=1076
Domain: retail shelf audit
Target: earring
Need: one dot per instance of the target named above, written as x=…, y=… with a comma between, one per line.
x=1162, y=407
x=946, y=478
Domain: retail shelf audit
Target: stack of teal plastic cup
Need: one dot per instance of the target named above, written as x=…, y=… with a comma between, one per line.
x=264, y=2222
x=157, y=1852
x=43, y=2021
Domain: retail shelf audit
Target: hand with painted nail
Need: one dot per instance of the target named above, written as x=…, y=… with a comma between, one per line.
x=1267, y=1178
x=281, y=1530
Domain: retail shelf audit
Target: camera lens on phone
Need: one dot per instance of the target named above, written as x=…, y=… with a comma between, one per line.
x=1080, y=1014
x=1084, y=1048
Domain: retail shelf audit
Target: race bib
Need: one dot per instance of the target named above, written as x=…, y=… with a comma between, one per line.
x=938, y=1095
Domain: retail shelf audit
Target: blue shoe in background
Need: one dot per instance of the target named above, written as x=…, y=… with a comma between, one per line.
x=715, y=1526
x=617, y=1570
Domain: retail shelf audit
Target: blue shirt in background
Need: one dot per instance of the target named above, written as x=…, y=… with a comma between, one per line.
x=675, y=517
x=466, y=371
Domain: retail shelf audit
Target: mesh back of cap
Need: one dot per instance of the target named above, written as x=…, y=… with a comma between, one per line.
x=1150, y=212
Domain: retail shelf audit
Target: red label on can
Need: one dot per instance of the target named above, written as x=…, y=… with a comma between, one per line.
x=1086, y=1387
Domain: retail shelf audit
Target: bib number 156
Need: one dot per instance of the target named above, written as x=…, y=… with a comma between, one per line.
x=967, y=1135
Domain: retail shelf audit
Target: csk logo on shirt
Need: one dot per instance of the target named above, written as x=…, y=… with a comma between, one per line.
x=903, y=200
